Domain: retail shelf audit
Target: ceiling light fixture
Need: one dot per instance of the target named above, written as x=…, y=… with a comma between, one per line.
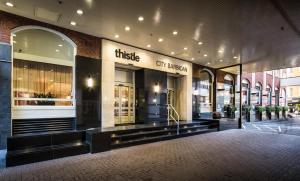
x=79, y=11
x=221, y=60
x=205, y=55
x=220, y=51
x=60, y=45
x=57, y=50
x=208, y=63
x=149, y=46
x=175, y=32
x=172, y=53
x=200, y=43
x=9, y=4
x=235, y=57
x=116, y=36
x=127, y=28
x=193, y=58
x=185, y=48
x=141, y=18
x=160, y=40
x=73, y=23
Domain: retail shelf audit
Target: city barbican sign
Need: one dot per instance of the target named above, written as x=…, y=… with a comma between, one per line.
x=171, y=66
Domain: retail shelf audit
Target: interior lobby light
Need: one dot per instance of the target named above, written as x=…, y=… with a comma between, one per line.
x=220, y=51
x=160, y=40
x=60, y=45
x=90, y=82
x=193, y=58
x=57, y=50
x=149, y=46
x=117, y=36
x=205, y=55
x=79, y=11
x=175, y=32
x=235, y=57
x=156, y=88
x=200, y=43
x=141, y=18
x=9, y=4
x=172, y=53
x=221, y=60
x=73, y=23
x=127, y=28
x=185, y=48
x=208, y=63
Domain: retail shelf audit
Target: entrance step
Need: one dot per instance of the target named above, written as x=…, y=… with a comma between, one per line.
x=101, y=140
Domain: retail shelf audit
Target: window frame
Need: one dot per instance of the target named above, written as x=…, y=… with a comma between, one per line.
x=44, y=60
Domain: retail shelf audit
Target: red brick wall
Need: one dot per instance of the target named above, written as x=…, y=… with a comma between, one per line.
x=87, y=46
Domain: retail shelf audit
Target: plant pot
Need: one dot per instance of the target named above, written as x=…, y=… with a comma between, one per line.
x=248, y=116
x=269, y=115
x=277, y=114
x=284, y=114
x=258, y=115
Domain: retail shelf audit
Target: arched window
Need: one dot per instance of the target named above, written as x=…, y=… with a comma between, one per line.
x=202, y=94
x=268, y=95
x=245, y=92
x=258, y=93
x=228, y=90
x=43, y=68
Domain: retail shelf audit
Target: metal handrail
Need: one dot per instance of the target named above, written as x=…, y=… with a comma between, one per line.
x=170, y=116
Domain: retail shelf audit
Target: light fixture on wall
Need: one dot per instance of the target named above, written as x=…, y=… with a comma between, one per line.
x=90, y=82
x=156, y=88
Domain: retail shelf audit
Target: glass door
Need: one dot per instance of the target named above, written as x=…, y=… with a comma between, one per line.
x=124, y=104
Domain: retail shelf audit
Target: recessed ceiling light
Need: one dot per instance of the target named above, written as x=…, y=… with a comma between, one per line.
x=200, y=43
x=9, y=4
x=57, y=50
x=220, y=51
x=193, y=58
x=60, y=45
x=73, y=23
x=127, y=28
x=172, y=53
x=208, y=63
x=235, y=57
x=141, y=18
x=149, y=46
x=175, y=32
x=117, y=36
x=185, y=48
x=160, y=40
x=221, y=60
x=79, y=11
x=205, y=55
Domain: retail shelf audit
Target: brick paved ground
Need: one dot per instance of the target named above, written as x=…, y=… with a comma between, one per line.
x=226, y=155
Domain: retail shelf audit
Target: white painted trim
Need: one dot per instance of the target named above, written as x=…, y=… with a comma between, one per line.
x=36, y=58
x=30, y=112
x=210, y=72
x=29, y=27
x=38, y=112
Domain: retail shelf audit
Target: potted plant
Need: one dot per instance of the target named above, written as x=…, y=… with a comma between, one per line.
x=284, y=110
x=227, y=110
x=277, y=111
x=216, y=115
x=269, y=110
x=232, y=111
x=258, y=112
x=247, y=110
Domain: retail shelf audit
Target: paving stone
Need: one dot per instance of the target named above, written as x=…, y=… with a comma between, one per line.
x=225, y=155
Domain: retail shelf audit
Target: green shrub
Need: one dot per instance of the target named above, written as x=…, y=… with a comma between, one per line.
x=285, y=109
x=260, y=109
x=278, y=109
x=270, y=109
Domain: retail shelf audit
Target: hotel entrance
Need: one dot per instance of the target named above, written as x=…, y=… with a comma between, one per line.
x=124, y=97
